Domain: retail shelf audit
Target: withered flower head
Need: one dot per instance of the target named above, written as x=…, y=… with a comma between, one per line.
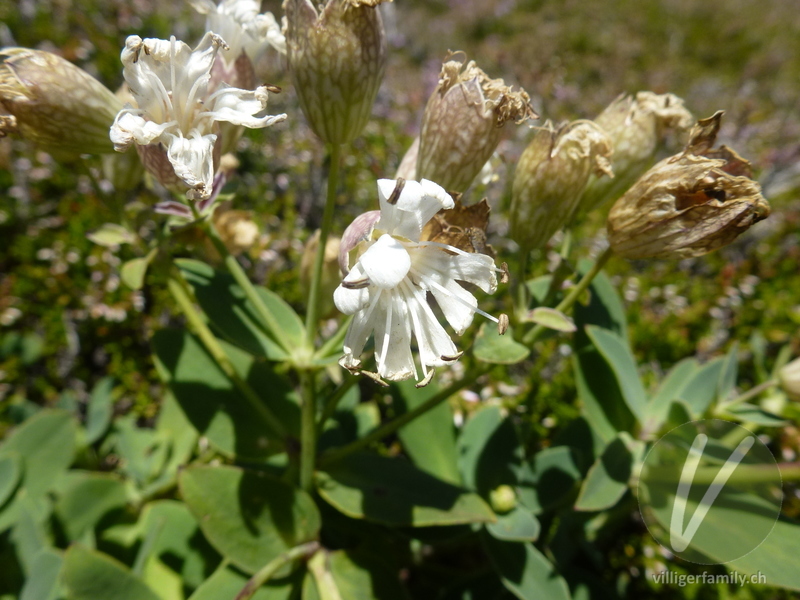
x=637, y=126
x=336, y=59
x=463, y=122
x=689, y=204
x=53, y=103
x=551, y=175
x=463, y=227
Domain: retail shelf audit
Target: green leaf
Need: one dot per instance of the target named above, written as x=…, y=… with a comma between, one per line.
x=91, y=575
x=602, y=403
x=226, y=582
x=775, y=558
x=133, y=271
x=605, y=309
x=167, y=583
x=552, y=319
x=728, y=374
x=491, y=347
x=429, y=440
x=343, y=575
x=10, y=473
x=110, y=235
x=394, y=492
x=213, y=404
x=30, y=534
x=748, y=413
x=701, y=389
x=86, y=498
x=617, y=354
x=607, y=479
x=548, y=479
x=670, y=389
x=519, y=525
x=46, y=443
x=489, y=452
x=99, y=410
x=232, y=314
x=143, y=451
x=525, y=572
x=249, y=517
x=45, y=585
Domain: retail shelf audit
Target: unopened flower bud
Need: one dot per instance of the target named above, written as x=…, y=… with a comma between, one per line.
x=55, y=104
x=503, y=499
x=789, y=377
x=330, y=271
x=463, y=123
x=689, y=204
x=550, y=177
x=636, y=126
x=336, y=59
x=236, y=229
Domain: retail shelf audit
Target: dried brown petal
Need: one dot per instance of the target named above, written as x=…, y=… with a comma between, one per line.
x=636, y=126
x=550, y=177
x=463, y=227
x=463, y=123
x=336, y=59
x=689, y=204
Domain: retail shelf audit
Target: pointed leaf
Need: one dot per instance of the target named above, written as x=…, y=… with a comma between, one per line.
x=491, y=347
x=99, y=410
x=552, y=319
x=519, y=525
x=45, y=585
x=548, y=479
x=608, y=478
x=91, y=575
x=110, y=235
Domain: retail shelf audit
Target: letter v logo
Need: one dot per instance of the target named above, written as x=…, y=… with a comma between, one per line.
x=680, y=538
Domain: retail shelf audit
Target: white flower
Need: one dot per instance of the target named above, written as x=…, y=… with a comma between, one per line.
x=387, y=289
x=170, y=84
x=239, y=23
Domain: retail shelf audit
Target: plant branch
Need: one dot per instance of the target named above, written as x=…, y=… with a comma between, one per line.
x=312, y=305
x=182, y=293
x=268, y=570
x=333, y=401
x=381, y=432
x=308, y=430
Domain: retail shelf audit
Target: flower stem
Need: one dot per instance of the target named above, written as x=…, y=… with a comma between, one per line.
x=181, y=291
x=308, y=429
x=312, y=314
x=333, y=401
x=748, y=395
x=381, y=432
x=575, y=293
x=236, y=270
x=268, y=570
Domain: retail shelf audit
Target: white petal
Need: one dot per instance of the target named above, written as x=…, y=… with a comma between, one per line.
x=432, y=338
x=386, y=262
x=362, y=326
x=416, y=205
x=238, y=107
x=393, y=340
x=457, y=304
x=350, y=301
x=478, y=269
x=193, y=161
x=129, y=127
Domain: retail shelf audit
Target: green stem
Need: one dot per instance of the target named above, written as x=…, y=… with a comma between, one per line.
x=749, y=394
x=381, y=432
x=520, y=284
x=236, y=270
x=333, y=401
x=312, y=316
x=182, y=293
x=268, y=570
x=575, y=293
x=308, y=430
x=744, y=474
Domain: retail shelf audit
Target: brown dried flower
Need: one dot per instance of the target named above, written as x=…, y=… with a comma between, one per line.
x=53, y=103
x=463, y=122
x=689, y=204
x=463, y=227
x=636, y=125
x=550, y=177
x=336, y=58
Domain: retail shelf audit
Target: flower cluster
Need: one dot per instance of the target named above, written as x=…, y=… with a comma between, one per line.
x=387, y=288
x=175, y=111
